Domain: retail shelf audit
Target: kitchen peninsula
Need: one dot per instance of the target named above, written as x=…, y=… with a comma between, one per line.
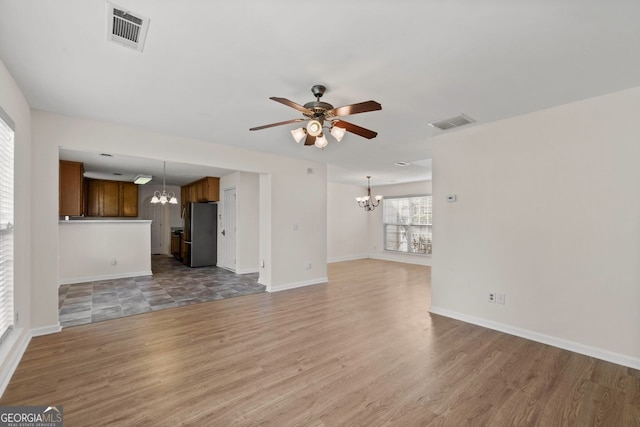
x=93, y=250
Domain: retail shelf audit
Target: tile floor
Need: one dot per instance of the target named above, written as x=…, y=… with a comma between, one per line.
x=172, y=284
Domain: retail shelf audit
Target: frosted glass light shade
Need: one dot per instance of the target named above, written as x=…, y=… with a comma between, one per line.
x=321, y=141
x=338, y=133
x=298, y=134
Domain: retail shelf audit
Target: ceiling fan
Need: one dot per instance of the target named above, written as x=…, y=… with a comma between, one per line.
x=321, y=114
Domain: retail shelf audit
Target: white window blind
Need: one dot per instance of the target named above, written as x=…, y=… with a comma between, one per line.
x=407, y=224
x=6, y=223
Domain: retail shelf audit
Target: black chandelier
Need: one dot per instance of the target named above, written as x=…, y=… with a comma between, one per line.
x=366, y=202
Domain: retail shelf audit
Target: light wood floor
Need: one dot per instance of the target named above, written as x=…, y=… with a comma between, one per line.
x=362, y=350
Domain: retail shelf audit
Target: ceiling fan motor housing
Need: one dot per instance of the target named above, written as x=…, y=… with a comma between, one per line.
x=318, y=109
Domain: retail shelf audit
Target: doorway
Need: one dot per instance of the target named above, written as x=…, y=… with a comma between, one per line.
x=229, y=229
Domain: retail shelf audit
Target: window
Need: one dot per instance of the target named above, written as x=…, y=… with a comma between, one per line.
x=6, y=223
x=407, y=224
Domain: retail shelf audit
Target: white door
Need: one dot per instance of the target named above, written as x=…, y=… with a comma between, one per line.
x=155, y=213
x=229, y=229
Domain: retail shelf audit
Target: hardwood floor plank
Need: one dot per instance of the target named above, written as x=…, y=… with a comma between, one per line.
x=360, y=350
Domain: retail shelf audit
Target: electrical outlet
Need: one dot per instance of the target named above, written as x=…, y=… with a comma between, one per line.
x=492, y=297
x=500, y=298
x=307, y=265
x=114, y=261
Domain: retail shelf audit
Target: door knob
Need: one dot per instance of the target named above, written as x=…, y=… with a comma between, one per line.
x=223, y=233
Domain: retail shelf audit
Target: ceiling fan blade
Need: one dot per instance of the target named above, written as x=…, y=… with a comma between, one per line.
x=278, y=124
x=361, y=107
x=350, y=127
x=292, y=104
x=311, y=140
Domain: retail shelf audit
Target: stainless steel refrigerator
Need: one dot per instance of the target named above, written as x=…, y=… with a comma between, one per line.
x=200, y=234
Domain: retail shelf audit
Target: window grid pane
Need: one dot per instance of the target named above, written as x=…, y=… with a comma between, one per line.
x=6, y=224
x=408, y=224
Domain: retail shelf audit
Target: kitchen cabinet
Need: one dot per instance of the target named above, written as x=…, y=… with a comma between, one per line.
x=128, y=199
x=112, y=198
x=176, y=242
x=109, y=198
x=71, y=188
x=93, y=199
x=203, y=190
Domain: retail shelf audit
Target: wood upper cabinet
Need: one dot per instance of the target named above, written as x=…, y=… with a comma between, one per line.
x=128, y=199
x=112, y=198
x=71, y=188
x=93, y=197
x=203, y=190
x=109, y=197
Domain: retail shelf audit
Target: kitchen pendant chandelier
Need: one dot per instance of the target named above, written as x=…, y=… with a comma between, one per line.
x=164, y=197
x=366, y=202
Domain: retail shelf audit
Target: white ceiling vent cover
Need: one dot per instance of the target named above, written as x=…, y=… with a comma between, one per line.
x=452, y=122
x=126, y=28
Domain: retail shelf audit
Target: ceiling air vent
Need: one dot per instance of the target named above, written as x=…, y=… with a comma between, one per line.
x=452, y=122
x=126, y=28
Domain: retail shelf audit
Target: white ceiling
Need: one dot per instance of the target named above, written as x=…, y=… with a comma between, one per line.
x=209, y=67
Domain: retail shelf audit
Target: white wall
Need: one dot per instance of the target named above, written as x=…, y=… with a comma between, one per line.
x=15, y=105
x=347, y=224
x=87, y=248
x=247, y=220
x=288, y=179
x=376, y=232
x=548, y=213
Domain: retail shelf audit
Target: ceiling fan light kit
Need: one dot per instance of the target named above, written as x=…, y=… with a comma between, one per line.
x=319, y=113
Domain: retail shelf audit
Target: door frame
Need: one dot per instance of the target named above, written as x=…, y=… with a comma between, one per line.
x=229, y=218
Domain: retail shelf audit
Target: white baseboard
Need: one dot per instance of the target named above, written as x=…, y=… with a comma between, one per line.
x=247, y=270
x=46, y=330
x=347, y=258
x=278, y=288
x=12, y=350
x=73, y=280
x=405, y=258
x=598, y=353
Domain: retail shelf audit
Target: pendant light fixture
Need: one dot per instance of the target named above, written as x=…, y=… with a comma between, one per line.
x=164, y=197
x=366, y=202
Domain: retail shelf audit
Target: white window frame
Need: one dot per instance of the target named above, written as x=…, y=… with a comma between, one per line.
x=408, y=226
x=7, y=140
